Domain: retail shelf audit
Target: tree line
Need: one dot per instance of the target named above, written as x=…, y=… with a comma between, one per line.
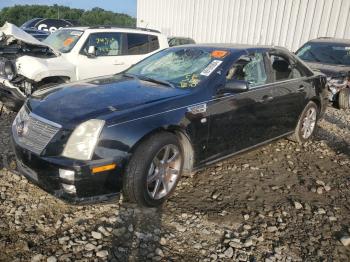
x=19, y=14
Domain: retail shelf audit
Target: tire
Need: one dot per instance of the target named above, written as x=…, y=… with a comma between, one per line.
x=344, y=98
x=147, y=173
x=309, y=114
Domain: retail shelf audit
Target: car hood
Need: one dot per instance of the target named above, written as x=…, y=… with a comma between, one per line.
x=9, y=33
x=71, y=104
x=329, y=70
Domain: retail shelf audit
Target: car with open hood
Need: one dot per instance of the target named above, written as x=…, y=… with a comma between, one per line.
x=174, y=112
x=68, y=54
x=330, y=56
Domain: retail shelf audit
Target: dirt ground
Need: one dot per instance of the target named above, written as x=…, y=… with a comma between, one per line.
x=279, y=202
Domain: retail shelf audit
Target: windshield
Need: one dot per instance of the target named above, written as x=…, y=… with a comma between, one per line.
x=63, y=40
x=327, y=53
x=181, y=67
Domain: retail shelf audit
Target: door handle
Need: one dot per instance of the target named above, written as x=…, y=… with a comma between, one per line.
x=266, y=99
x=301, y=88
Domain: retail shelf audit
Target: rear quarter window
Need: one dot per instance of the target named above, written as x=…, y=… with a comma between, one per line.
x=139, y=44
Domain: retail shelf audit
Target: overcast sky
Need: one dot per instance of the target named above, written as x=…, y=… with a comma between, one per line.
x=120, y=6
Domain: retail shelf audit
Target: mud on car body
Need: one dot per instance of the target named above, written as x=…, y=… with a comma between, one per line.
x=68, y=54
x=330, y=56
x=174, y=112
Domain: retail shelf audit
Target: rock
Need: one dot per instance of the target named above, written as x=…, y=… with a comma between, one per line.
x=96, y=235
x=345, y=240
x=248, y=243
x=229, y=252
x=51, y=259
x=89, y=247
x=102, y=253
x=159, y=252
x=297, y=205
x=197, y=246
x=37, y=258
x=327, y=188
x=272, y=229
x=162, y=241
x=320, y=190
x=320, y=183
x=180, y=228
x=246, y=217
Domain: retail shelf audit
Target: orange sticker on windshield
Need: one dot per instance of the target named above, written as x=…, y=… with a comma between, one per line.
x=68, y=41
x=219, y=53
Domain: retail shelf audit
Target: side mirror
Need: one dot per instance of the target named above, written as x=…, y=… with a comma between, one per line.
x=91, y=51
x=234, y=86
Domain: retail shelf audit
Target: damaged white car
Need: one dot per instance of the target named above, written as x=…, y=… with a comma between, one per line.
x=69, y=54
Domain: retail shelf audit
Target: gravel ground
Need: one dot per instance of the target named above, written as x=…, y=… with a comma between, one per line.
x=280, y=202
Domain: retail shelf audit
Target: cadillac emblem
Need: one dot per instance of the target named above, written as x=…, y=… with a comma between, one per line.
x=22, y=128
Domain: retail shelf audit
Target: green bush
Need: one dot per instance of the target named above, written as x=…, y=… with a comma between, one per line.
x=19, y=14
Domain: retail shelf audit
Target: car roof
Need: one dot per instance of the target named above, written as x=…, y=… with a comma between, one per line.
x=330, y=40
x=113, y=29
x=238, y=47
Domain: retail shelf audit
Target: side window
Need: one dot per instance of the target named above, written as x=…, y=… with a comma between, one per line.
x=250, y=69
x=139, y=44
x=284, y=69
x=106, y=44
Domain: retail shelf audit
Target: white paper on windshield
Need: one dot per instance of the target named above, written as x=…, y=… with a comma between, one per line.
x=211, y=68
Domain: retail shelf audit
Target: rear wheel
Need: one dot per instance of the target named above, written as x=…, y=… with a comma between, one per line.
x=344, y=98
x=306, y=123
x=154, y=170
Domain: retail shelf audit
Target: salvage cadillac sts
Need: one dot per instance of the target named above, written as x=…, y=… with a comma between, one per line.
x=174, y=112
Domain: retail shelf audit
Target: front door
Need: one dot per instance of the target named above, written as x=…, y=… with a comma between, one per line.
x=240, y=120
x=115, y=52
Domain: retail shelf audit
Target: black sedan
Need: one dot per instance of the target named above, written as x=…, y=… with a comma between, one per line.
x=174, y=112
x=331, y=56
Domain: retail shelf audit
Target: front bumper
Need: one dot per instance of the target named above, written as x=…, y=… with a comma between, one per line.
x=89, y=187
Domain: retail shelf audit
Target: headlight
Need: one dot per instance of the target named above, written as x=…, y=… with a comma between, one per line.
x=7, y=69
x=82, y=142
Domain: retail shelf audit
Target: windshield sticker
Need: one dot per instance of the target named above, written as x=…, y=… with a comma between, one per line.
x=219, y=53
x=190, y=81
x=68, y=41
x=211, y=68
x=76, y=33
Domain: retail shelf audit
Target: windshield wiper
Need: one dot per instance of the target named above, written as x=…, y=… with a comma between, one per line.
x=150, y=79
x=157, y=81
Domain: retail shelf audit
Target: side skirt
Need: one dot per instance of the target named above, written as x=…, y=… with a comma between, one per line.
x=202, y=166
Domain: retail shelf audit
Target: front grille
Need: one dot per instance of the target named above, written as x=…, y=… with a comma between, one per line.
x=33, y=132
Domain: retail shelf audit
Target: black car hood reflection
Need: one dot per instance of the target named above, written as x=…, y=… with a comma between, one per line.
x=73, y=103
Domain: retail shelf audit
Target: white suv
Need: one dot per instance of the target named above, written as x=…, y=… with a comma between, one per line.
x=69, y=54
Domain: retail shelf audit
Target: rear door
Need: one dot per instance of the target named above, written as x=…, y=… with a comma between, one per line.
x=290, y=85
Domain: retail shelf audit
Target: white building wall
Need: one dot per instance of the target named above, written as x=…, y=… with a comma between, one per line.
x=288, y=23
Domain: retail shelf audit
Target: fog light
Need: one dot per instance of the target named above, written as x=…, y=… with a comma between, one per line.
x=67, y=174
x=70, y=189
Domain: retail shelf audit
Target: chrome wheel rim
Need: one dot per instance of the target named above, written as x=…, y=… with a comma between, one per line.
x=164, y=172
x=309, y=123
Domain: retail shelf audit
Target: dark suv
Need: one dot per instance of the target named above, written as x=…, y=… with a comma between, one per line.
x=331, y=56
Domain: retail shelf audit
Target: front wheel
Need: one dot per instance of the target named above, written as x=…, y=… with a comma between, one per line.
x=306, y=123
x=154, y=170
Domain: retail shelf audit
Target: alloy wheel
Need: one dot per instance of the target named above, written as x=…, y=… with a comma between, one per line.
x=309, y=123
x=164, y=172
